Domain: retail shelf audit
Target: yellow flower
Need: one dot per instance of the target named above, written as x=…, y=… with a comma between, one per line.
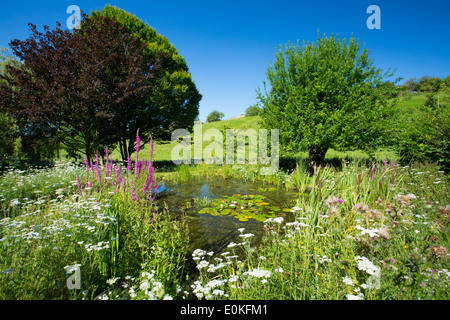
x=406, y=246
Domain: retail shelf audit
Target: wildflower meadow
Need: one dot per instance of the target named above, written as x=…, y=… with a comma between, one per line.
x=329, y=183
x=377, y=232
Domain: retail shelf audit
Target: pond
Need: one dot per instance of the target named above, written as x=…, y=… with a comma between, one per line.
x=224, y=207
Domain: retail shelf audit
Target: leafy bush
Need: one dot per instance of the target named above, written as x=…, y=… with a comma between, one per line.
x=252, y=111
x=7, y=141
x=214, y=116
x=426, y=137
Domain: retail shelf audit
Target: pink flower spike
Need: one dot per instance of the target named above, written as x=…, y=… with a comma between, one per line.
x=138, y=145
x=129, y=164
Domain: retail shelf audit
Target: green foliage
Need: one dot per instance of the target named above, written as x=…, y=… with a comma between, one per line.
x=242, y=207
x=8, y=129
x=325, y=95
x=214, y=116
x=429, y=84
x=360, y=234
x=8, y=132
x=172, y=100
x=253, y=111
x=426, y=84
x=426, y=135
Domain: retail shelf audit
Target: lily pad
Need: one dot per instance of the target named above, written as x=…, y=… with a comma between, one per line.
x=242, y=207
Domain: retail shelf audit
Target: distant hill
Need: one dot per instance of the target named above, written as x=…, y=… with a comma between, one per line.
x=407, y=104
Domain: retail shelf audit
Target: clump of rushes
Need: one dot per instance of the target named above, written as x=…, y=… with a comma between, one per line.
x=361, y=233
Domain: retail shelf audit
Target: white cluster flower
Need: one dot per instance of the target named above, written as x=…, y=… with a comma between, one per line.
x=209, y=290
x=366, y=265
x=71, y=268
x=324, y=259
x=371, y=232
x=259, y=273
x=213, y=268
x=358, y=296
x=198, y=254
x=99, y=246
x=202, y=264
x=294, y=209
x=348, y=281
x=275, y=220
x=151, y=287
x=112, y=280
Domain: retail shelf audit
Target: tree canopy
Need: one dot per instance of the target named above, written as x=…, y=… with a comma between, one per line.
x=214, y=116
x=99, y=85
x=172, y=101
x=325, y=95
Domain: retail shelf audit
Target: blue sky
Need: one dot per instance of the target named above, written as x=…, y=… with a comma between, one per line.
x=229, y=44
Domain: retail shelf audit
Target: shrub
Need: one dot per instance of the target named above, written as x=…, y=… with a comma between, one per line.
x=426, y=138
x=252, y=111
x=214, y=116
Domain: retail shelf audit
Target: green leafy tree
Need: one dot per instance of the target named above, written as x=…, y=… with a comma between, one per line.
x=93, y=73
x=429, y=84
x=8, y=128
x=214, y=116
x=446, y=84
x=412, y=85
x=325, y=95
x=170, y=103
x=253, y=111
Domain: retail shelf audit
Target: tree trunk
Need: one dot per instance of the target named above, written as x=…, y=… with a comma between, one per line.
x=316, y=157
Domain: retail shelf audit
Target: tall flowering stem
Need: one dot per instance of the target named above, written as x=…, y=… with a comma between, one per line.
x=78, y=184
x=129, y=165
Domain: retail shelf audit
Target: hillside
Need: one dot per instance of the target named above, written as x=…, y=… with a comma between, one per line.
x=407, y=105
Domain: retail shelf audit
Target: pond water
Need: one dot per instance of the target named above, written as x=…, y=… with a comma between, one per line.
x=230, y=205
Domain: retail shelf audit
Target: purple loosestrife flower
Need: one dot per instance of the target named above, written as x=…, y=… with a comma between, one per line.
x=79, y=184
x=138, y=145
x=86, y=162
x=372, y=174
x=91, y=165
x=129, y=164
x=110, y=167
x=151, y=150
x=133, y=193
x=97, y=170
x=124, y=184
x=137, y=167
x=118, y=170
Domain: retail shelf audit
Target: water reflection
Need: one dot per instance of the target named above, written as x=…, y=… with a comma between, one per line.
x=215, y=233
